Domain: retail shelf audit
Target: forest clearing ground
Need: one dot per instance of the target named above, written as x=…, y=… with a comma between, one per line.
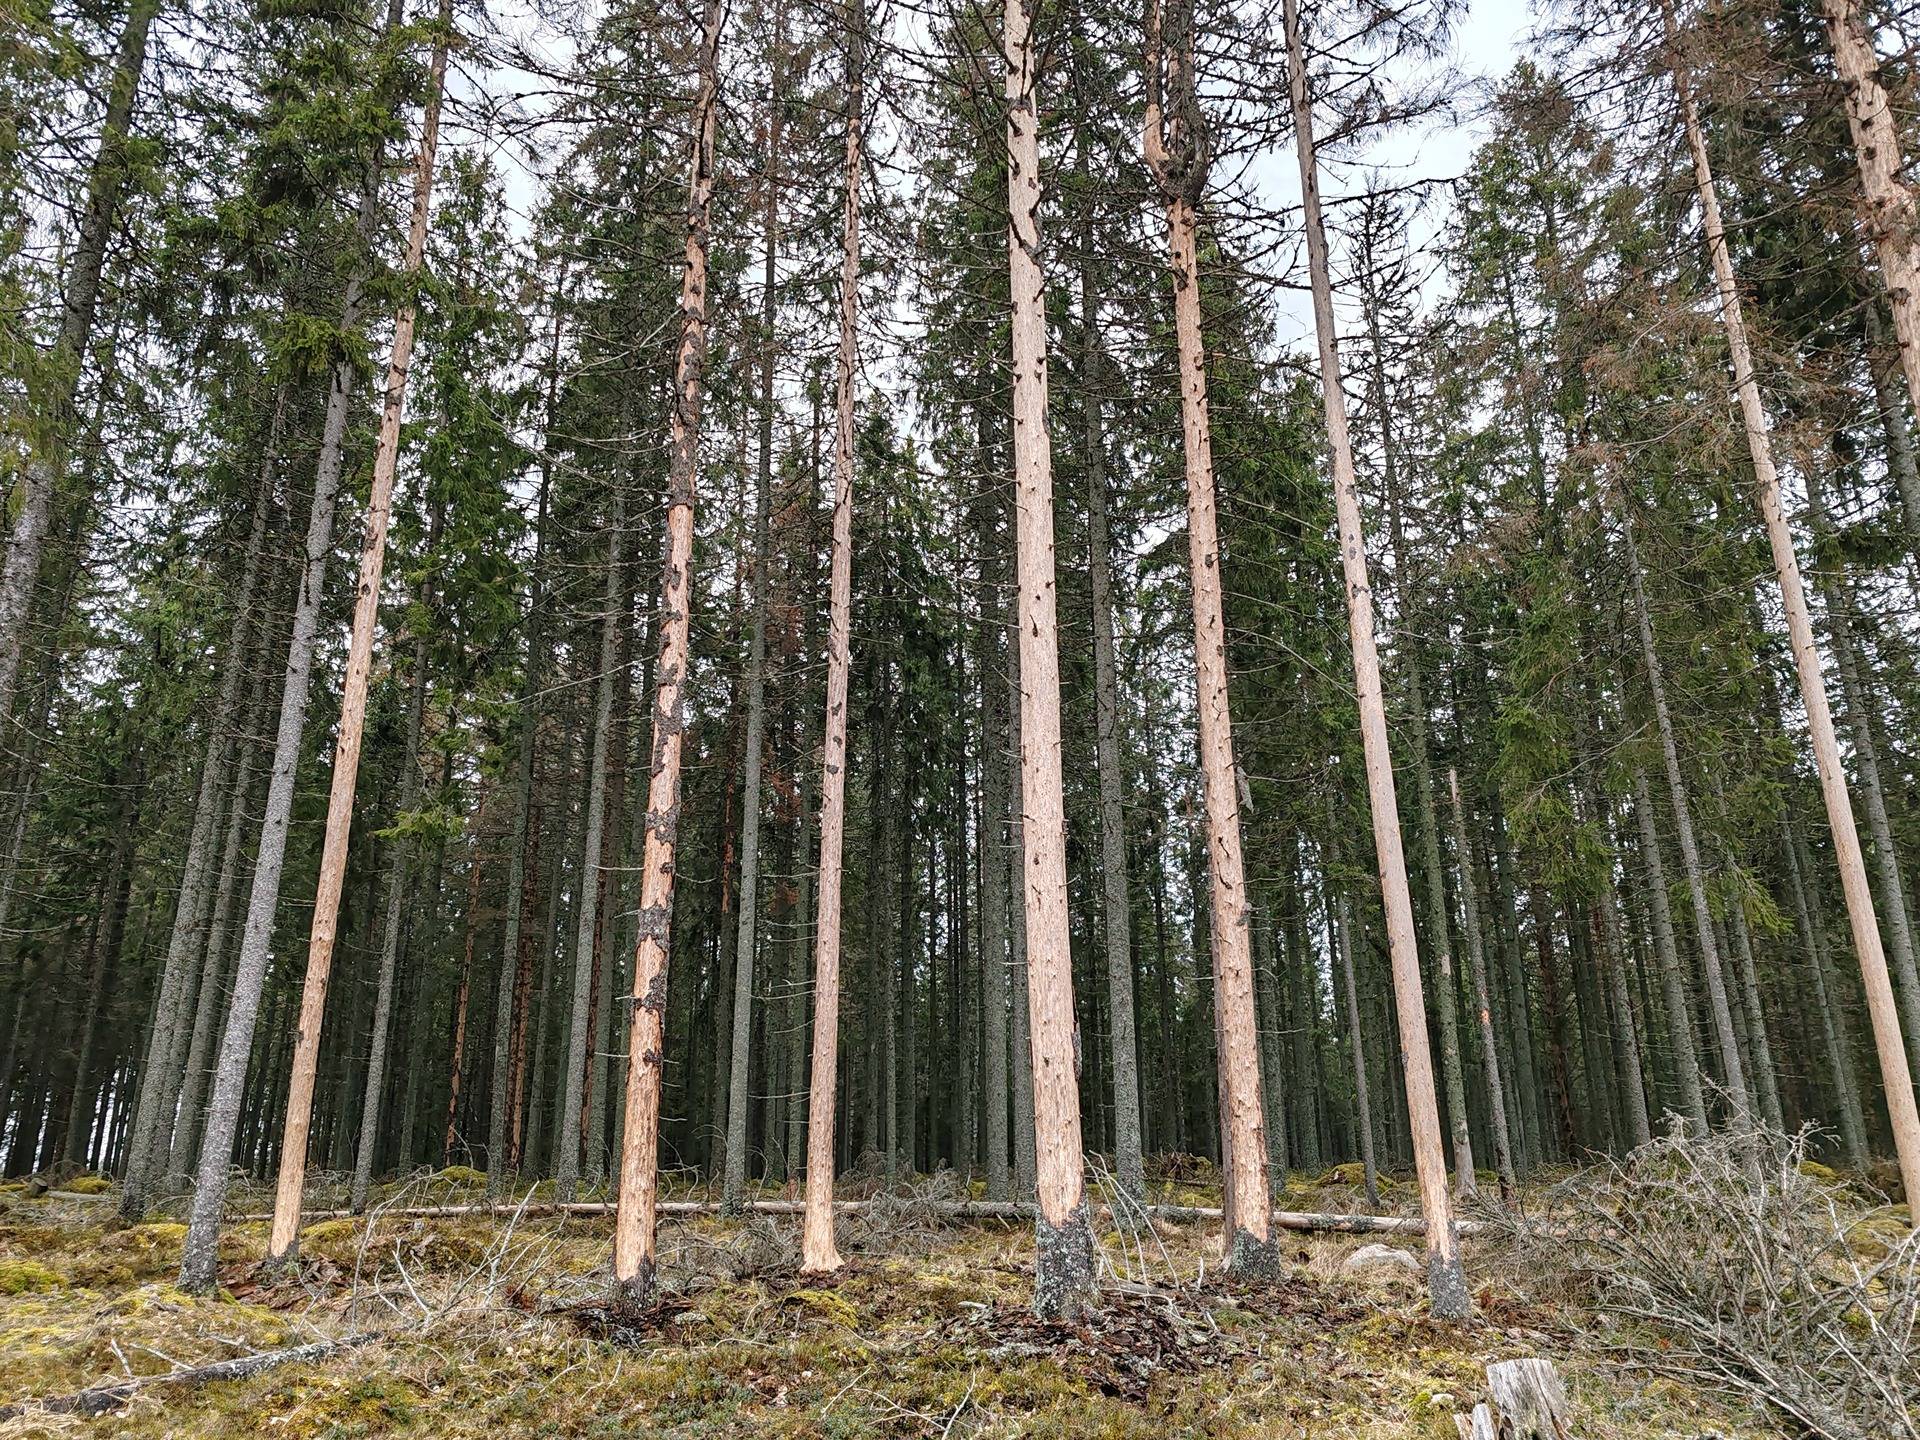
x=927, y=1332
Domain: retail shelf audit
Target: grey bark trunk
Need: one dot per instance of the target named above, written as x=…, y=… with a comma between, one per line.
x=993, y=873
x=20, y=571
x=1691, y=867
x=586, y=911
x=1675, y=997
x=398, y=861
x=1483, y=997
x=1833, y=1018
x=236, y=1044
x=153, y=1140
x=1897, y=925
x=744, y=950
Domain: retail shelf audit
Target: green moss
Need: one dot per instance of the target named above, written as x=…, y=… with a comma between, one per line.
x=88, y=1185
x=464, y=1175
x=1825, y=1174
x=27, y=1277
x=827, y=1305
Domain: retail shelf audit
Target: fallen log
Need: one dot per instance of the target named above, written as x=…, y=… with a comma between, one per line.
x=100, y=1399
x=1301, y=1220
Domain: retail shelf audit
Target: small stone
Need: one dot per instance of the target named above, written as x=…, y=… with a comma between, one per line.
x=1377, y=1257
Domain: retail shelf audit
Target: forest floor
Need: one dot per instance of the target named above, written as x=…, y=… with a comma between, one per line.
x=480, y=1325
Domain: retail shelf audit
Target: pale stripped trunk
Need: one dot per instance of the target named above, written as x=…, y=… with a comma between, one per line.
x=353, y=695
x=1896, y=1077
x=250, y=971
x=1888, y=212
x=818, y=1253
x=1175, y=153
x=1251, y=1242
x=1064, y=1278
x=634, y=1220
x=1446, y=1278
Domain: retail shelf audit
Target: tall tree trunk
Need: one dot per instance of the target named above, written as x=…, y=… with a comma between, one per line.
x=217, y=972
x=456, y=1062
x=1895, y=1074
x=1445, y=1277
x=398, y=860
x=818, y=1254
x=1858, y=700
x=152, y=1124
x=1673, y=981
x=1117, y=910
x=1888, y=212
x=743, y=1003
x=236, y=1042
x=994, y=789
x=1483, y=997
x=1439, y=941
x=353, y=695
x=633, y=1233
x=1020, y=1040
x=1064, y=1277
x=80, y=304
x=1718, y=1006
x=1833, y=1016
x=1897, y=426
x=105, y=957
x=1339, y=918
x=587, y=956
x=1176, y=152
x=504, y=1131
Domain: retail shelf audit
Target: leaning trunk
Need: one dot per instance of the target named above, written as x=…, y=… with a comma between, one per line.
x=1896, y=1077
x=1446, y=1278
x=353, y=697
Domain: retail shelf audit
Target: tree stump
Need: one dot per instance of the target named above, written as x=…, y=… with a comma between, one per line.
x=1529, y=1402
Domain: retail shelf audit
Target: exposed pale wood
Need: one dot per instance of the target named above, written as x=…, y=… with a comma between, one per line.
x=818, y=1253
x=1446, y=1279
x=1175, y=144
x=1528, y=1402
x=633, y=1231
x=1064, y=1276
x=1896, y=1077
x=353, y=693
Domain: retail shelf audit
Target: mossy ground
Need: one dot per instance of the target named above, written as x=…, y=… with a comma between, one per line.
x=926, y=1333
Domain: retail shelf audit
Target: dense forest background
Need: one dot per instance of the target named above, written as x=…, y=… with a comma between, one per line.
x=1628, y=899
